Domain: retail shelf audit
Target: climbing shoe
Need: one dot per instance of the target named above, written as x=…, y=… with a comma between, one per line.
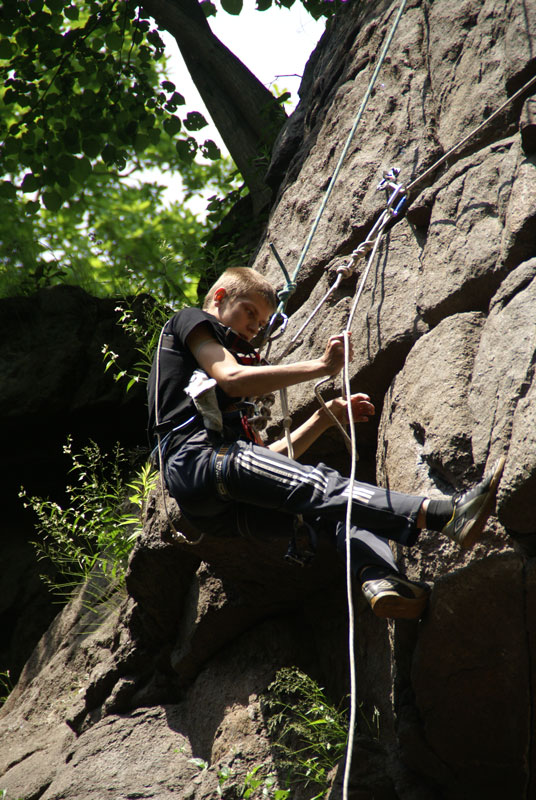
x=472, y=509
x=392, y=596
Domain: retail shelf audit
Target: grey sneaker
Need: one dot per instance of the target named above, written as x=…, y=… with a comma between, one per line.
x=472, y=509
x=393, y=596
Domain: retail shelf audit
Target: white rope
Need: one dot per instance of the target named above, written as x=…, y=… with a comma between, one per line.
x=348, y=522
x=472, y=133
x=349, y=596
x=312, y=315
x=379, y=229
x=365, y=274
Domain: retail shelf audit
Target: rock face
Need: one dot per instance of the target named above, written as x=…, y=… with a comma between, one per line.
x=445, y=343
x=52, y=385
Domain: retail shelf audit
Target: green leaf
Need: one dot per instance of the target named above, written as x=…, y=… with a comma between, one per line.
x=141, y=142
x=82, y=169
x=114, y=40
x=168, y=86
x=195, y=121
x=52, y=200
x=6, y=49
x=55, y=5
x=264, y=5
x=210, y=150
x=63, y=180
x=232, y=6
x=172, y=125
x=91, y=147
x=71, y=12
x=177, y=99
x=12, y=145
x=32, y=207
x=7, y=27
x=208, y=8
x=7, y=190
x=109, y=154
x=71, y=140
x=66, y=162
x=186, y=149
x=30, y=183
x=153, y=37
x=49, y=177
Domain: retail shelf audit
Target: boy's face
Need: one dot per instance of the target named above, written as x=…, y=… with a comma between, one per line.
x=246, y=314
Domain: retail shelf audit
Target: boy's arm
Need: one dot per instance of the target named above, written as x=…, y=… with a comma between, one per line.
x=239, y=380
x=307, y=433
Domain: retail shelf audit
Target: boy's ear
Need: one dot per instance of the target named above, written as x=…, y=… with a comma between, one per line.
x=218, y=295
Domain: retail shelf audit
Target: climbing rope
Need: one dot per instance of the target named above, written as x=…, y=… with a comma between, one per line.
x=396, y=203
x=357, y=296
x=348, y=141
x=391, y=211
x=472, y=133
x=364, y=249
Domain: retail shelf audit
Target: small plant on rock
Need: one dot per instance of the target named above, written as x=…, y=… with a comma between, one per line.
x=308, y=732
x=5, y=688
x=96, y=530
x=142, y=318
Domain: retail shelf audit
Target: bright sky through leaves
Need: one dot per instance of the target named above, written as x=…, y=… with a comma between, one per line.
x=272, y=43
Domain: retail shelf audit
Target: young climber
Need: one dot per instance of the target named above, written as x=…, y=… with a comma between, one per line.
x=204, y=372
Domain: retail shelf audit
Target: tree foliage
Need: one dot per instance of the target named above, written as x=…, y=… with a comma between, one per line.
x=85, y=108
x=114, y=238
x=82, y=87
x=317, y=8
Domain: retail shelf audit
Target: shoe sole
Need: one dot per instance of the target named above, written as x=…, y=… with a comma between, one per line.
x=475, y=530
x=391, y=605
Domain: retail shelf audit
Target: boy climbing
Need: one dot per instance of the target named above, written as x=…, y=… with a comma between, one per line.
x=215, y=466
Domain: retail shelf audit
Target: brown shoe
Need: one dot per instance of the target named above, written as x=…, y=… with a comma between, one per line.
x=391, y=596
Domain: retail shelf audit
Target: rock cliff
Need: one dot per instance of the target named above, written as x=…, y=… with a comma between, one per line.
x=445, y=344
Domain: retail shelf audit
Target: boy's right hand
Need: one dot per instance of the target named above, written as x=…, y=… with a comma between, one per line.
x=333, y=357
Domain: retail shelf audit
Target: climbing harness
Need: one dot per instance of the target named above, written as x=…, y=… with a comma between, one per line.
x=218, y=460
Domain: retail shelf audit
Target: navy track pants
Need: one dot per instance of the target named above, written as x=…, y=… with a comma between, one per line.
x=256, y=478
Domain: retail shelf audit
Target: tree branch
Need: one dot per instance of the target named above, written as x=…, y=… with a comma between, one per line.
x=245, y=113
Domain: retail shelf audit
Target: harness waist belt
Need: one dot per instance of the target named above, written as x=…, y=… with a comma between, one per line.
x=218, y=459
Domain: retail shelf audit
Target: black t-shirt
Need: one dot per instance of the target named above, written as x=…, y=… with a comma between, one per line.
x=176, y=365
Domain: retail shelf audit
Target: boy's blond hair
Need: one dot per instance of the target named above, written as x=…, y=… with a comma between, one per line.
x=239, y=281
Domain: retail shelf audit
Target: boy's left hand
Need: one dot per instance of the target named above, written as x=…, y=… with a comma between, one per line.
x=362, y=408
